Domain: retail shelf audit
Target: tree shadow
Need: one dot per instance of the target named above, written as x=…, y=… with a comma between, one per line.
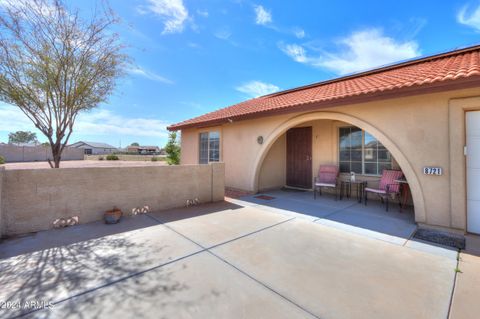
x=59, y=271
x=176, y=214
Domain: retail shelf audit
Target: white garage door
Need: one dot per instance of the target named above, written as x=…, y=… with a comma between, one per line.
x=473, y=171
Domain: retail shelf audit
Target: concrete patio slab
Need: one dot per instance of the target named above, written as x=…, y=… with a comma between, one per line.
x=465, y=303
x=61, y=271
x=396, y=231
x=343, y=275
x=213, y=224
x=200, y=286
x=432, y=248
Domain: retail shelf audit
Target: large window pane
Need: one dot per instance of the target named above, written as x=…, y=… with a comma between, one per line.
x=345, y=167
x=356, y=155
x=356, y=137
x=214, y=147
x=203, y=148
x=361, y=152
x=371, y=168
x=356, y=167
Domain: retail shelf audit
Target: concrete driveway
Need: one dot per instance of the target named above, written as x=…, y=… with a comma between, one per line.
x=233, y=259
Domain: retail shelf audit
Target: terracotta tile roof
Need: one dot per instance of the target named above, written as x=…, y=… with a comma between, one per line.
x=441, y=71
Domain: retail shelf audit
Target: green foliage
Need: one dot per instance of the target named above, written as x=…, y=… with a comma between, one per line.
x=134, y=144
x=2, y=160
x=20, y=137
x=112, y=157
x=173, y=149
x=155, y=159
x=45, y=144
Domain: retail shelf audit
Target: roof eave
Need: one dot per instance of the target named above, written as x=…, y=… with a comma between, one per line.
x=447, y=85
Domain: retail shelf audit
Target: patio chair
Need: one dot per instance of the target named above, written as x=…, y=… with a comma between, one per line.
x=387, y=188
x=327, y=177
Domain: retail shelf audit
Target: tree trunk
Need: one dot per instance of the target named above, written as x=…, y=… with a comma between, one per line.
x=57, y=155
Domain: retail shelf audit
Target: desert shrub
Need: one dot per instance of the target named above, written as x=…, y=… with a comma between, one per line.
x=112, y=157
x=155, y=159
x=2, y=160
x=101, y=158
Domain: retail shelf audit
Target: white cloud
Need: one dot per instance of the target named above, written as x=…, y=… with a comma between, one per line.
x=362, y=50
x=173, y=14
x=295, y=51
x=95, y=123
x=257, y=88
x=471, y=19
x=149, y=75
x=299, y=33
x=262, y=16
x=223, y=34
x=105, y=122
x=203, y=13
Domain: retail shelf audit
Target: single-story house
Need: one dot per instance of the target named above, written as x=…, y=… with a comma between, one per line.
x=143, y=150
x=421, y=116
x=94, y=148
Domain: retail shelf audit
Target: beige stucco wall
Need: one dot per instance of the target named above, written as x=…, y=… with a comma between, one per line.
x=273, y=171
x=33, y=199
x=418, y=131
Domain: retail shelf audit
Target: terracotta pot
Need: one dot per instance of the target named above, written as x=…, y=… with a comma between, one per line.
x=112, y=216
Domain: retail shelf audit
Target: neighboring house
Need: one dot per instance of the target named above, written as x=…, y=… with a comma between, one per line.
x=94, y=148
x=143, y=150
x=412, y=115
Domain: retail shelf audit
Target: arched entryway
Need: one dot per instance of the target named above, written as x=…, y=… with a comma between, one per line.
x=388, y=142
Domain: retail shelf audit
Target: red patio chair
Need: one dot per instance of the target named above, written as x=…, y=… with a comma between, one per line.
x=388, y=186
x=327, y=177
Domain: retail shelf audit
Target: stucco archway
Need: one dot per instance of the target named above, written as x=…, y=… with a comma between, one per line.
x=417, y=193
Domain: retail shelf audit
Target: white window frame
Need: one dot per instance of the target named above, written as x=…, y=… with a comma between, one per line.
x=363, y=151
x=208, y=146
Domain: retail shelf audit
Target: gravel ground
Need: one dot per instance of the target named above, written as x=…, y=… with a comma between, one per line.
x=86, y=163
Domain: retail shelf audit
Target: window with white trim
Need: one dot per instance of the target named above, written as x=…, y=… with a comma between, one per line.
x=361, y=153
x=209, y=147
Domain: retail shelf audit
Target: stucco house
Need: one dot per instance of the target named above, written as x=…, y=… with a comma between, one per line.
x=414, y=116
x=94, y=148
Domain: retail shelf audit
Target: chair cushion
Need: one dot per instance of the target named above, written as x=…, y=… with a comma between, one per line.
x=325, y=184
x=374, y=190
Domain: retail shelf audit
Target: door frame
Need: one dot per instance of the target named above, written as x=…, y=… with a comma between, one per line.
x=309, y=160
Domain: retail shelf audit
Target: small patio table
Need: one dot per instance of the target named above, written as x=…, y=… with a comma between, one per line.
x=346, y=188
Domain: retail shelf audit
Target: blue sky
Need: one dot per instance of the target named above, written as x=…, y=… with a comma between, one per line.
x=194, y=56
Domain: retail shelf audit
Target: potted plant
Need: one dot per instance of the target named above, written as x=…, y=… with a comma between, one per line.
x=112, y=216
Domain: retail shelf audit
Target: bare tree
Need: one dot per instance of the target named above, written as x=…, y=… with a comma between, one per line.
x=55, y=64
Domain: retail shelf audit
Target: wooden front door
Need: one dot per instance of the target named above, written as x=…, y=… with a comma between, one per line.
x=299, y=157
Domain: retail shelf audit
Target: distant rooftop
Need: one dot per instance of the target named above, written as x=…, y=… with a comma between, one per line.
x=96, y=144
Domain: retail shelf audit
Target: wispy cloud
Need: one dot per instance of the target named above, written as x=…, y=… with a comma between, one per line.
x=172, y=13
x=149, y=75
x=223, y=33
x=203, y=13
x=469, y=18
x=299, y=33
x=361, y=50
x=295, y=51
x=257, y=88
x=262, y=15
x=95, y=123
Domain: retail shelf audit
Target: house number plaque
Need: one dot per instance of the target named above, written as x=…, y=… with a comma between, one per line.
x=427, y=170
